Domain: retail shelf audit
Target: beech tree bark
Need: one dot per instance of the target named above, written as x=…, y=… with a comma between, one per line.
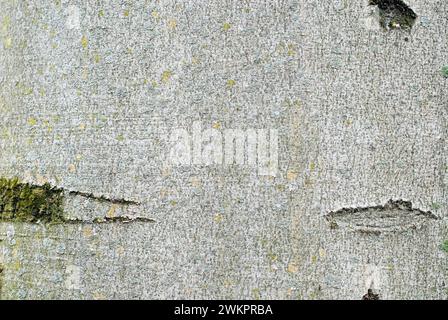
x=91, y=92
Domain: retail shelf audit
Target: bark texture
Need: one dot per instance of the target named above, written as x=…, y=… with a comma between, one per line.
x=90, y=91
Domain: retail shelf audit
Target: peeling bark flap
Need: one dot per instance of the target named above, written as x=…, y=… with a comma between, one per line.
x=394, y=216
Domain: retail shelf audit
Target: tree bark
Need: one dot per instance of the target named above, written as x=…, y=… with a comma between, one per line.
x=91, y=92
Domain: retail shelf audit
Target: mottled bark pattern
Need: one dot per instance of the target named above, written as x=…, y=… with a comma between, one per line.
x=91, y=91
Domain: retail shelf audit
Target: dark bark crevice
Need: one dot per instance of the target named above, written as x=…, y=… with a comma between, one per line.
x=394, y=14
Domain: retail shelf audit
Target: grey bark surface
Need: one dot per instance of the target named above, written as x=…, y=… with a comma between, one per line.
x=360, y=198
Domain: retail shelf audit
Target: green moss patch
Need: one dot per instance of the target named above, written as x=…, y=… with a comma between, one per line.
x=444, y=246
x=445, y=71
x=24, y=202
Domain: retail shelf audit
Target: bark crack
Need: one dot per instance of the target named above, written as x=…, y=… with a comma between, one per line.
x=103, y=198
x=120, y=219
x=394, y=216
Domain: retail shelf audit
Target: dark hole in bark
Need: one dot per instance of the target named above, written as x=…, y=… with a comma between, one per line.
x=370, y=295
x=1, y=280
x=395, y=14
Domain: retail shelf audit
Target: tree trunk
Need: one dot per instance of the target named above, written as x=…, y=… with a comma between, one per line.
x=107, y=107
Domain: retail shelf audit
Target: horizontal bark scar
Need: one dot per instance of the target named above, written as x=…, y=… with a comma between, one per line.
x=103, y=198
x=394, y=216
x=27, y=202
x=121, y=219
